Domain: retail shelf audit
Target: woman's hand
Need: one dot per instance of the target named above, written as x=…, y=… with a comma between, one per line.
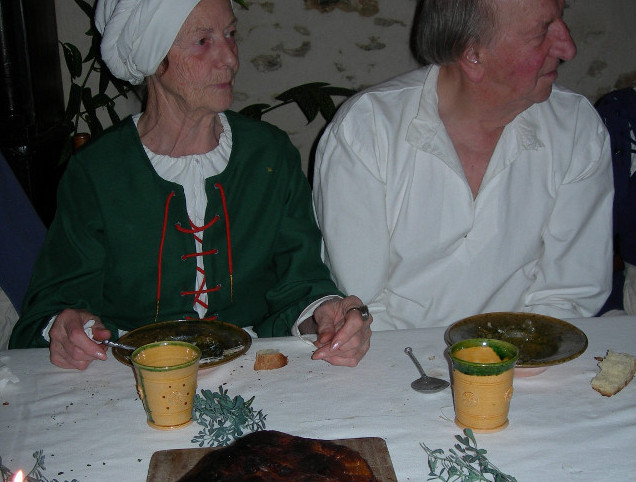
x=70, y=347
x=343, y=336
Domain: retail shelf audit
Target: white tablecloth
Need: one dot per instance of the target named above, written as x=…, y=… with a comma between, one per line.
x=91, y=424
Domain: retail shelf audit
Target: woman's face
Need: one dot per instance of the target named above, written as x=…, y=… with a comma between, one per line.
x=530, y=43
x=203, y=60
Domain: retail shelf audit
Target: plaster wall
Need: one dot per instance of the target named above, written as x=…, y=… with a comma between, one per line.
x=357, y=43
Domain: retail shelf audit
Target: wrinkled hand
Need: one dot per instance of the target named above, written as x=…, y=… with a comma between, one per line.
x=70, y=347
x=342, y=339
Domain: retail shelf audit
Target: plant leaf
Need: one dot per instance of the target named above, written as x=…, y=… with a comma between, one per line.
x=299, y=91
x=338, y=91
x=86, y=8
x=223, y=418
x=327, y=107
x=305, y=97
x=255, y=110
x=112, y=113
x=471, y=466
x=122, y=86
x=74, y=102
x=94, y=50
x=90, y=116
x=100, y=100
x=469, y=434
x=314, y=97
x=73, y=59
x=94, y=126
x=104, y=80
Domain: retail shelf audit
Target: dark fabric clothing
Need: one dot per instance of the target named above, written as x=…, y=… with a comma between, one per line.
x=21, y=236
x=104, y=248
x=618, y=111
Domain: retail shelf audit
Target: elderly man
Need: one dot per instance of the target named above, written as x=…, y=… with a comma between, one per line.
x=474, y=184
x=187, y=210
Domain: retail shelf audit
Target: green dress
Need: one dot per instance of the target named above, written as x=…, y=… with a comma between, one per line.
x=120, y=227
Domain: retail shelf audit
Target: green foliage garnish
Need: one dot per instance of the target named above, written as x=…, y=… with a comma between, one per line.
x=465, y=463
x=35, y=475
x=224, y=419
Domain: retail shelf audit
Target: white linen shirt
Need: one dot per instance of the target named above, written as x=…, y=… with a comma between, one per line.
x=403, y=232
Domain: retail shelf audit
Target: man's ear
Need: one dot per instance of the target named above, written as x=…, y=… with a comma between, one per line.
x=471, y=65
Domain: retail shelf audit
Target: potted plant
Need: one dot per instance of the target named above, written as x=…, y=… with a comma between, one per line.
x=83, y=103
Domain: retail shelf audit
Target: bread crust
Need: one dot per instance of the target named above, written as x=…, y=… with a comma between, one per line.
x=269, y=360
x=276, y=456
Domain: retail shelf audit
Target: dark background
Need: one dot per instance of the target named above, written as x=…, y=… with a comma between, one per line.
x=32, y=132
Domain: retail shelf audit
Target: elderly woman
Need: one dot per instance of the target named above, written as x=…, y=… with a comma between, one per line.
x=485, y=186
x=185, y=211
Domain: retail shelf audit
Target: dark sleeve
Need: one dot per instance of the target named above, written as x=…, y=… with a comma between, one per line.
x=302, y=276
x=21, y=239
x=618, y=111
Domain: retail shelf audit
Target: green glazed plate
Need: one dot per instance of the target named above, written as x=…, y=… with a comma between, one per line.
x=218, y=341
x=543, y=341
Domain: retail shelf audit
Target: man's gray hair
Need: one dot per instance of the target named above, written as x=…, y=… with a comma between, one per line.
x=443, y=29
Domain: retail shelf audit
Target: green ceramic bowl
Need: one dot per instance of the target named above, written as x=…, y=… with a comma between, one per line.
x=508, y=353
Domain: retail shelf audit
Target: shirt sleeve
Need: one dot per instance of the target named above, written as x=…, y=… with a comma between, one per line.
x=349, y=198
x=573, y=277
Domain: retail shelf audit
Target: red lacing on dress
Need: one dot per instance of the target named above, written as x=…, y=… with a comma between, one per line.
x=194, y=230
x=163, y=238
x=228, y=239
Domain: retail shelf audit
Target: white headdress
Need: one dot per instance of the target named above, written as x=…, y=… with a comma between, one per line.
x=137, y=34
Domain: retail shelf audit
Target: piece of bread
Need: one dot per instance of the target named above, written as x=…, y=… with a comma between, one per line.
x=617, y=370
x=277, y=456
x=269, y=360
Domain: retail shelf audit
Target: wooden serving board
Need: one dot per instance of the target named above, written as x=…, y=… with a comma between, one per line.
x=170, y=465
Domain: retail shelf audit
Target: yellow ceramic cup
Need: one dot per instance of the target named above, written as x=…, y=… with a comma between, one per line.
x=166, y=374
x=482, y=383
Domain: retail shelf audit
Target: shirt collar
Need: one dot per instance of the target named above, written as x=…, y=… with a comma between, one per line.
x=426, y=131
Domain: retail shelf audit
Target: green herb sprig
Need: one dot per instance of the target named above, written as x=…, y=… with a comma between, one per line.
x=224, y=419
x=464, y=463
x=35, y=475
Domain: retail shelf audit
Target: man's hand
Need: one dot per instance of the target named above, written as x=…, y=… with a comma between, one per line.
x=70, y=347
x=343, y=336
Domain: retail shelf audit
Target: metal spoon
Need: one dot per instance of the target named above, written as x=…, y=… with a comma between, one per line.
x=425, y=383
x=114, y=344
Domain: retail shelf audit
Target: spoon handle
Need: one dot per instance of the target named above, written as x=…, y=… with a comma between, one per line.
x=409, y=351
x=113, y=344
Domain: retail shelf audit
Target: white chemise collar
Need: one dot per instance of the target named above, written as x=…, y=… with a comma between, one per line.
x=191, y=171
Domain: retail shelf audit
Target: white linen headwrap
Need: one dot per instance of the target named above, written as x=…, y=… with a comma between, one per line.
x=137, y=34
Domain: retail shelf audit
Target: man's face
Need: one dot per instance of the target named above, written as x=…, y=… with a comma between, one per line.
x=203, y=59
x=531, y=40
